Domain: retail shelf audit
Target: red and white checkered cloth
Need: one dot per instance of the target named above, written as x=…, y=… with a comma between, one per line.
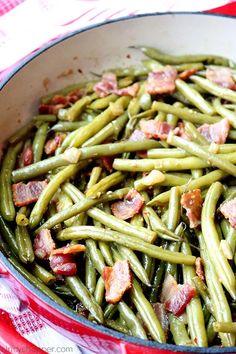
x=25, y=25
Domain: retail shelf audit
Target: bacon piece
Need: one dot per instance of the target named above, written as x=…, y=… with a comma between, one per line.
x=107, y=162
x=26, y=157
x=228, y=209
x=162, y=316
x=217, y=132
x=107, y=85
x=178, y=302
x=199, y=268
x=50, y=108
x=24, y=194
x=161, y=81
x=192, y=202
x=221, y=77
x=117, y=281
x=69, y=249
x=187, y=73
x=58, y=99
x=154, y=129
x=180, y=131
x=43, y=244
x=131, y=90
x=52, y=144
x=131, y=205
x=63, y=264
x=138, y=135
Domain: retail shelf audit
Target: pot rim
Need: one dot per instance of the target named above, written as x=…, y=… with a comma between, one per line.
x=23, y=281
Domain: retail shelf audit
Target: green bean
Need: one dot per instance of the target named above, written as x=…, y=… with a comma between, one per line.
x=131, y=320
x=178, y=331
x=197, y=150
x=21, y=218
x=67, y=126
x=187, y=114
x=203, y=291
x=154, y=53
x=49, y=191
x=110, y=220
x=41, y=273
x=82, y=293
x=95, y=255
x=114, y=324
x=84, y=232
x=6, y=204
x=145, y=101
x=192, y=131
x=224, y=112
x=171, y=118
x=194, y=311
x=110, y=310
x=147, y=263
x=64, y=202
x=104, y=184
x=158, y=277
x=37, y=283
x=64, y=290
x=94, y=176
x=229, y=234
x=197, y=173
x=214, y=89
x=99, y=291
x=106, y=252
x=111, y=129
x=225, y=327
x=211, y=334
x=44, y=118
x=21, y=133
x=147, y=313
x=212, y=241
x=8, y=236
x=102, y=103
x=25, y=248
x=90, y=275
x=174, y=209
x=189, y=66
x=201, y=182
x=39, y=141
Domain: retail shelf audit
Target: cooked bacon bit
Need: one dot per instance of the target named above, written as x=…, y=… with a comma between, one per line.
x=107, y=162
x=162, y=316
x=217, y=132
x=50, y=108
x=24, y=194
x=26, y=158
x=221, y=77
x=199, y=268
x=154, y=129
x=180, y=131
x=107, y=85
x=117, y=281
x=178, y=302
x=131, y=205
x=228, y=209
x=52, y=144
x=192, y=202
x=43, y=244
x=138, y=135
x=131, y=90
x=161, y=81
x=58, y=99
x=69, y=249
x=169, y=288
x=63, y=264
x=187, y=73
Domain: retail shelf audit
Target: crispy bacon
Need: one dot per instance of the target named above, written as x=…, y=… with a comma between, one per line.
x=63, y=264
x=199, y=268
x=180, y=131
x=107, y=162
x=107, y=85
x=221, y=77
x=52, y=144
x=162, y=316
x=187, y=73
x=50, y=108
x=131, y=205
x=26, y=157
x=117, y=281
x=178, y=302
x=161, y=81
x=228, y=209
x=192, y=202
x=131, y=90
x=58, y=101
x=154, y=129
x=24, y=194
x=138, y=135
x=217, y=132
x=69, y=249
x=43, y=244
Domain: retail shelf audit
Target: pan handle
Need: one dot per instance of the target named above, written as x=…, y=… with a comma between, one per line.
x=228, y=9
x=11, y=340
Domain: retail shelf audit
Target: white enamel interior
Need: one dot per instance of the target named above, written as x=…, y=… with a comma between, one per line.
x=105, y=47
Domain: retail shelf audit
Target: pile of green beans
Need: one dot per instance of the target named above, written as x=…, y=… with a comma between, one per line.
x=97, y=165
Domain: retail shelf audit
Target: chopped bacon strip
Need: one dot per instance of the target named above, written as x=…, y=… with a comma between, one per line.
x=162, y=316
x=138, y=135
x=199, y=268
x=107, y=162
x=58, y=101
x=178, y=302
x=52, y=144
x=50, y=108
x=107, y=85
x=69, y=249
x=24, y=194
x=43, y=244
x=192, y=202
x=26, y=158
x=217, y=132
x=221, y=77
x=131, y=205
x=117, y=281
x=187, y=73
x=154, y=129
x=63, y=264
x=228, y=209
x=180, y=131
x=161, y=81
x=131, y=90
